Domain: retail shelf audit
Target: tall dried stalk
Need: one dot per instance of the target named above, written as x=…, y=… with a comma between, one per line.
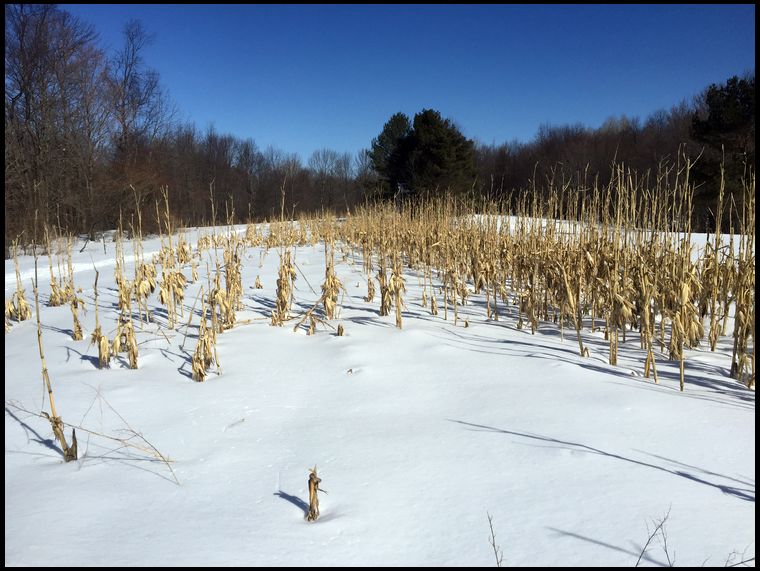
x=69, y=453
x=18, y=308
x=396, y=289
x=205, y=351
x=744, y=322
x=125, y=338
x=100, y=340
x=286, y=277
x=331, y=286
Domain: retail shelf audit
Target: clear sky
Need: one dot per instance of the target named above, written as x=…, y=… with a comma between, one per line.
x=302, y=78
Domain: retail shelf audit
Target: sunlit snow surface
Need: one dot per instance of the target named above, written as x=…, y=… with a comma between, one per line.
x=416, y=434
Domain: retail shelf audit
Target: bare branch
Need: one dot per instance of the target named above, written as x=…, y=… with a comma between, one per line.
x=492, y=540
x=651, y=536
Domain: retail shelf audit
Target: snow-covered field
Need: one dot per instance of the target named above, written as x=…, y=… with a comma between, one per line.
x=416, y=433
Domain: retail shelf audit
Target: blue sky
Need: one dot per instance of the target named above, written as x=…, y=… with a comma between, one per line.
x=302, y=78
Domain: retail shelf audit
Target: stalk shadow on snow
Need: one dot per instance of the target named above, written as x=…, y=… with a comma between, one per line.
x=696, y=373
x=713, y=377
x=47, y=442
x=374, y=309
x=635, y=554
x=739, y=396
x=67, y=332
x=185, y=360
x=746, y=494
x=94, y=361
x=296, y=501
x=369, y=321
x=702, y=470
x=267, y=303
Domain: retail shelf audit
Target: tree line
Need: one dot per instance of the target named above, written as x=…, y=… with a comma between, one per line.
x=715, y=131
x=91, y=138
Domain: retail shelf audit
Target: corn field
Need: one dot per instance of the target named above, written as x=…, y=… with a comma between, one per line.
x=618, y=261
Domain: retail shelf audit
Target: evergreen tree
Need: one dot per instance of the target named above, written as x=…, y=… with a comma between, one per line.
x=731, y=117
x=726, y=128
x=438, y=156
x=432, y=154
x=384, y=152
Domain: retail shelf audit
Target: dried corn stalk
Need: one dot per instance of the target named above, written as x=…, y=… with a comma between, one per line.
x=7, y=315
x=225, y=317
x=205, y=350
x=314, y=481
x=69, y=453
x=287, y=276
x=125, y=339
x=19, y=308
x=184, y=251
x=56, y=295
x=385, y=293
x=97, y=337
x=330, y=288
x=144, y=286
x=233, y=277
x=396, y=288
x=76, y=334
x=370, y=290
x=172, y=293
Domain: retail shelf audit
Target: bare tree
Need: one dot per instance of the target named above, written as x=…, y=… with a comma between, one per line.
x=343, y=173
x=141, y=109
x=54, y=123
x=323, y=164
x=366, y=180
x=250, y=163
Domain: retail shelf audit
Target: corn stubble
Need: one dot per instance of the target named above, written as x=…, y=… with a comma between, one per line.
x=582, y=256
x=617, y=258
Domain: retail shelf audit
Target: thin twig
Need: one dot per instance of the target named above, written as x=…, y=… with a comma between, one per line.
x=310, y=312
x=70, y=425
x=304, y=277
x=124, y=441
x=656, y=529
x=141, y=437
x=741, y=562
x=492, y=540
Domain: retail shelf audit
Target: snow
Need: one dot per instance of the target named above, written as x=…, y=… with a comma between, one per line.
x=416, y=433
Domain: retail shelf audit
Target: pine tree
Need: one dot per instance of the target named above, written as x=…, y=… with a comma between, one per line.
x=726, y=128
x=385, y=154
x=440, y=157
x=430, y=155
